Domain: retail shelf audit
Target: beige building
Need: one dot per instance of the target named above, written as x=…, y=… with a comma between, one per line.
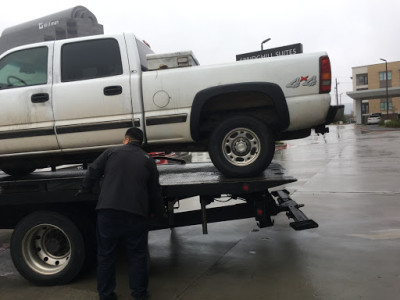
x=369, y=90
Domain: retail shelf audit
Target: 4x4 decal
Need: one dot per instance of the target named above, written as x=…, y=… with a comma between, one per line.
x=306, y=80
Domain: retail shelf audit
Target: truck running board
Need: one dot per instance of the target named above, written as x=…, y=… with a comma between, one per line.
x=301, y=222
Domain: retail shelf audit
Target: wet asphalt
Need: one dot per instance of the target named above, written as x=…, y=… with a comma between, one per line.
x=349, y=181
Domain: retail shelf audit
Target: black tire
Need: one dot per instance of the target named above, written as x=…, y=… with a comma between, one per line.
x=18, y=171
x=241, y=147
x=47, y=248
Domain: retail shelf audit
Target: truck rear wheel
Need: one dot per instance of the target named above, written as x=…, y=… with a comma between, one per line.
x=241, y=147
x=47, y=248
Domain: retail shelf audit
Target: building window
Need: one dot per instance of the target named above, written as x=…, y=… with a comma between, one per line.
x=382, y=79
x=382, y=75
x=362, y=79
x=365, y=108
x=383, y=104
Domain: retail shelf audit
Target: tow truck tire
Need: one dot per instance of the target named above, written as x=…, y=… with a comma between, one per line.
x=241, y=146
x=47, y=248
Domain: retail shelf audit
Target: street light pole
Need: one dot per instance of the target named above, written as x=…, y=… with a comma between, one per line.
x=337, y=97
x=387, y=96
x=263, y=42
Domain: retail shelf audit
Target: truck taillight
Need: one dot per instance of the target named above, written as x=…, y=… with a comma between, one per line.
x=325, y=75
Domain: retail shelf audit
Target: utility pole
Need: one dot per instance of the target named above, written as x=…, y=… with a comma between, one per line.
x=337, y=98
x=387, y=94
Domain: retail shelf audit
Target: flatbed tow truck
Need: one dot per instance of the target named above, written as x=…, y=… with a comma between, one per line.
x=54, y=230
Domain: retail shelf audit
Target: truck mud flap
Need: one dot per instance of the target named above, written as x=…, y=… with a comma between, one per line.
x=335, y=114
x=301, y=221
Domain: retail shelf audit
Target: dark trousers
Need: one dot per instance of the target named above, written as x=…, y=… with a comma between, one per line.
x=114, y=227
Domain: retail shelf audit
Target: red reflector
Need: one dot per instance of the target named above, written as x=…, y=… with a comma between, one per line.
x=325, y=75
x=259, y=212
x=245, y=187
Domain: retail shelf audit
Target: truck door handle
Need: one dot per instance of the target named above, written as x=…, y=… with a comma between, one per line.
x=113, y=90
x=40, y=98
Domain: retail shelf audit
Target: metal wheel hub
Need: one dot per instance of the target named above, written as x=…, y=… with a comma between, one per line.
x=46, y=249
x=241, y=146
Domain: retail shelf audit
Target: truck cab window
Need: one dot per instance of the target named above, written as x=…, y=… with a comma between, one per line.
x=90, y=59
x=24, y=68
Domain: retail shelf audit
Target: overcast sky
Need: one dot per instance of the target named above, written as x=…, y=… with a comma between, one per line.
x=353, y=32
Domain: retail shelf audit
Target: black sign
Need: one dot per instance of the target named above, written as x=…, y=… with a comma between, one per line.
x=285, y=50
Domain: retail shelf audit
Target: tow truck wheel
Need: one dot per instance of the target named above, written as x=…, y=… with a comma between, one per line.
x=241, y=147
x=47, y=248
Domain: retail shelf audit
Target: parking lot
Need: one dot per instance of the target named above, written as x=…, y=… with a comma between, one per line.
x=349, y=183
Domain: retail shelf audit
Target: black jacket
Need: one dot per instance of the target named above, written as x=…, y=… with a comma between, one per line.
x=131, y=181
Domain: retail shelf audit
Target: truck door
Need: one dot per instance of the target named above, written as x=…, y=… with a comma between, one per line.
x=26, y=116
x=92, y=91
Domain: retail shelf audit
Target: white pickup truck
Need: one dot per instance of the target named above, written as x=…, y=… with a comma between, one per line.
x=66, y=101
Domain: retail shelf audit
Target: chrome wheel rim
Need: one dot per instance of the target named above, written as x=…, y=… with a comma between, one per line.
x=46, y=249
x=241, y=147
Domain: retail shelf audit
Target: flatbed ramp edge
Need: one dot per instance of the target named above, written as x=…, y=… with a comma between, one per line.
x=54, y=190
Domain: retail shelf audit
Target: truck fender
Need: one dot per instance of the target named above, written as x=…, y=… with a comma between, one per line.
x=272, y=91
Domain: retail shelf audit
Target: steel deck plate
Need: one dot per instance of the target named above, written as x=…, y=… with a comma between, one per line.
x=177, y=180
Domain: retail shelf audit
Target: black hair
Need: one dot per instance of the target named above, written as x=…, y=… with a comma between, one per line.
x=135, y=134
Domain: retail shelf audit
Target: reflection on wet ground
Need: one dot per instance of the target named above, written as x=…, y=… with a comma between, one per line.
x=337, y=140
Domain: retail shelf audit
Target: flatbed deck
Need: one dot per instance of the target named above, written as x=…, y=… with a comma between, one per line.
x=185, y=180
x=56, y=190
x=177, y=181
